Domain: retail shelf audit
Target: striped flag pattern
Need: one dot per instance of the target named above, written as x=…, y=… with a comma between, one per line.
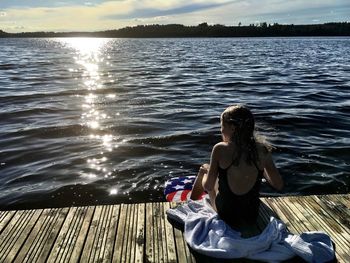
x=178, y=189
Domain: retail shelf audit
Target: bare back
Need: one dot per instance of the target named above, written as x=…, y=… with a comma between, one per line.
x=241, y=178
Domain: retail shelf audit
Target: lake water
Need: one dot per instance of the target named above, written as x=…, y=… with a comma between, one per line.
x=102, y=121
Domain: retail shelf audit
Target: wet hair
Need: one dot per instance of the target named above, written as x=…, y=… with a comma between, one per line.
x=244, y=136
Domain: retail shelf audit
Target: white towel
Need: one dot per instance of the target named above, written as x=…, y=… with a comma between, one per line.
x=207, y=234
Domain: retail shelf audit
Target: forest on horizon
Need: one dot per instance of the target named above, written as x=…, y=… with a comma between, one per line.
x=204, y=30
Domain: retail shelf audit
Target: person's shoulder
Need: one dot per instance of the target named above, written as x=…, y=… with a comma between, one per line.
x=262, y=149
x=220, y=147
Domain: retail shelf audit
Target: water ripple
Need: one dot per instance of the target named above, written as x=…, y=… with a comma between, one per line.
x=97, y=121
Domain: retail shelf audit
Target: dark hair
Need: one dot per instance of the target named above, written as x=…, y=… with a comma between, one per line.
x=243, y=137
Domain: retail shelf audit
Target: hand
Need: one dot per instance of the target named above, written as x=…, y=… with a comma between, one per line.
x=204, y=169
x=205, y=166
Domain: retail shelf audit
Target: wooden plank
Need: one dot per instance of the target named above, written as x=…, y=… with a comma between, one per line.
x=85, y=222
x=38, y=237
x=33, y=242
x=150, y=254
x=128, y=254
x=61, y=251
x=52, y=235
x=21, y=235
x=334, y=222
x=102, y=235
x=121, y=234
x=300, y=223
x=111, y=234
x=318, y=225
x=343, y=200
x=140, y=231
x=336, y=209
x=344, y=207
x=63, y=236
x=182, y=252
x=104, y=228
x=320, y=222
x=92, y=236
x=5, y=217
x=156, y=246
x=325, y=214
x=169, y=236
x=157, y=214
x=10, y=230
x=280, y=213
x=302, y=218
x=73, y=236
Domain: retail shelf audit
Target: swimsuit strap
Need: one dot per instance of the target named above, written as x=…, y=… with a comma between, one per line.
x=260, y=172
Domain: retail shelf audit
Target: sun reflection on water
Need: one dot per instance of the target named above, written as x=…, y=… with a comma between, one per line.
x=89, y=55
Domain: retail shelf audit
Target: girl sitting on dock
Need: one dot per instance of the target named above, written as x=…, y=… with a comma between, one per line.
x=237, y=166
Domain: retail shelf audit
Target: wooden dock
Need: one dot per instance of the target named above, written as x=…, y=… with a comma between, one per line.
x=141, y=232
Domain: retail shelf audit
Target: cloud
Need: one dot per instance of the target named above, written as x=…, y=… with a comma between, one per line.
x=45, y=3
x=158, y=12
x=93, y=15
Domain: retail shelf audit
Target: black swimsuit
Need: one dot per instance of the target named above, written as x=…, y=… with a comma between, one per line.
x=233, y=208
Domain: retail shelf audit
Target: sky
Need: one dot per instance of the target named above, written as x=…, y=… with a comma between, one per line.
x=95, y=15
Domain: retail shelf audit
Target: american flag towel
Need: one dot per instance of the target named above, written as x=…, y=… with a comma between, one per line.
x=178, y=189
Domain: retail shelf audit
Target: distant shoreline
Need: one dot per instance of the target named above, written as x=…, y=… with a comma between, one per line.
x=203, y=30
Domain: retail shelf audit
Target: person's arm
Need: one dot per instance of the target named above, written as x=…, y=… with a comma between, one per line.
x=271, y=173
x=209, y=179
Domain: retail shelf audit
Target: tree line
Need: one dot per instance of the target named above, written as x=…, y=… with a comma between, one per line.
x=204, y=30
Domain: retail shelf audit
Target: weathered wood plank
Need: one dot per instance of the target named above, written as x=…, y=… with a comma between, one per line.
x=38, y=238
x=162, y=232
x=157, y=235
x=68, y=231
x=322, y=214
x=111, y=234
x=336, y=209
x=6, y=216
x=52, y=235
x=318, y=220
x=121, y=235
x=321, y=221
x=97, y=245
x=91, y=244
x=301, y=218
x=140, y=233
x=82, y=234
x=169, y=236
x=64, y=246
x=70, y=244
x=19, y=236
x=104, y=235
x=10, y=230
x=130, y=245
x=149, y=249
x=344, y=201
x=32, y=245
x=280, y=213
x=182, y=252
